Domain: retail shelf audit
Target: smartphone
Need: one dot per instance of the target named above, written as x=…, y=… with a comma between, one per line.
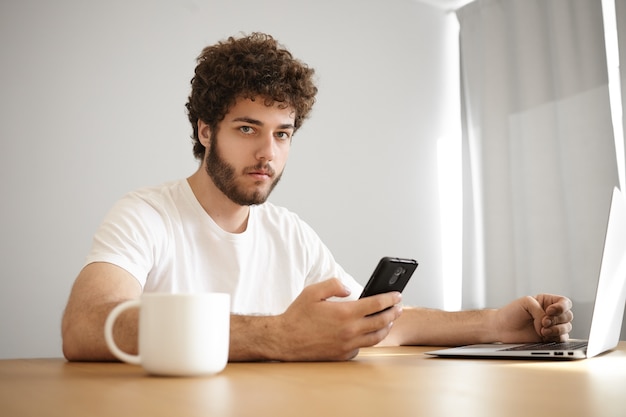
x=391, y=274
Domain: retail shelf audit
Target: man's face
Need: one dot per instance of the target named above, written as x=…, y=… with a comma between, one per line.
x=246, y=157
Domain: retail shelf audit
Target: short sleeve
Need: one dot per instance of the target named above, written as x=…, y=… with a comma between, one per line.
x=130, y=236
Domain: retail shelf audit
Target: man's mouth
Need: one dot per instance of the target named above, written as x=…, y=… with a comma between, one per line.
x=261, y=173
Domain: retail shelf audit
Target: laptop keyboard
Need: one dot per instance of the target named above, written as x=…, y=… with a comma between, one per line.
x=571, y=345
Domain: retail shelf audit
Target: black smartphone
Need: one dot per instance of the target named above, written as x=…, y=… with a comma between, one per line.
x=391, y=274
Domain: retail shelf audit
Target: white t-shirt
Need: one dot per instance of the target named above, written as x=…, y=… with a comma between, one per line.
x=165, y=239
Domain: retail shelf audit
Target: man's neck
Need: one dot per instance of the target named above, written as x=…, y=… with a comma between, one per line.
x=230, y=216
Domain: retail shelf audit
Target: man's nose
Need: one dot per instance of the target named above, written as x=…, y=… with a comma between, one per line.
x=266, y=150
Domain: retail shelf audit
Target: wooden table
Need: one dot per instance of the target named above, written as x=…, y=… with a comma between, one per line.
x=380, y=382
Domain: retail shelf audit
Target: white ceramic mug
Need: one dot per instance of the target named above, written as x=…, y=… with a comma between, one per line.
x=179, y=334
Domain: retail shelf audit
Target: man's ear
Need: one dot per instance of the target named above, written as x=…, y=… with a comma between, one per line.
x=204, y=133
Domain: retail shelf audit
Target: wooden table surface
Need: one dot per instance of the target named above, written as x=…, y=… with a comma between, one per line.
x=395, y=381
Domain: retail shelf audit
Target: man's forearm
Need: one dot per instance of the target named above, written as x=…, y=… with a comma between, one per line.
x=99, y=287
x=429, y=327
x=254, y=338
x=83, y=333
x=251, y=337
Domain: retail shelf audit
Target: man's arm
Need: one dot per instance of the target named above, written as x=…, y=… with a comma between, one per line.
x=97, y=290
x=527, y=319
x=312, y=328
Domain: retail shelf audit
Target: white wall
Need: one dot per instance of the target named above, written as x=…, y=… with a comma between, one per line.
x=92, y=106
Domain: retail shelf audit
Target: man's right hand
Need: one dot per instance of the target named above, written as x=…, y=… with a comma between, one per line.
x=314, y=328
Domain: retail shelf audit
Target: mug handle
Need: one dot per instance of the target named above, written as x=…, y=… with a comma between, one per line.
x=108, y=332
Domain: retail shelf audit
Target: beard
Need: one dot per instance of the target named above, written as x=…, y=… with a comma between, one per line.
x=223, y=175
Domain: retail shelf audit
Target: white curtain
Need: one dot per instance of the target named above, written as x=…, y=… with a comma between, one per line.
x=620, y=11
x=539, y=152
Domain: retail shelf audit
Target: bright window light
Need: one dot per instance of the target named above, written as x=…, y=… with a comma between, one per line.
x=615, y=91
x=451, y=214
x=450, y=176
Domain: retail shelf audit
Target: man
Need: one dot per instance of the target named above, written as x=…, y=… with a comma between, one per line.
x=215, y=231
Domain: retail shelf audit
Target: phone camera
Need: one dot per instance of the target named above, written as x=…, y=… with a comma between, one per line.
x=399, y=271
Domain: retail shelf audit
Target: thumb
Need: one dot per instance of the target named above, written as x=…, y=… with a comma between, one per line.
x=536, y=311
x=326, y=289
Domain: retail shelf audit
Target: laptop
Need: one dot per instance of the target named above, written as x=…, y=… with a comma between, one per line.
x=608, y=310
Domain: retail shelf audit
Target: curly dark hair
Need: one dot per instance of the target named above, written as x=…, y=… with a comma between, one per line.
x=248, y=67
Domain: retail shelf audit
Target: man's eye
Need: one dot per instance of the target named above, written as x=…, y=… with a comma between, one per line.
x=283, y=135
x=246, y=129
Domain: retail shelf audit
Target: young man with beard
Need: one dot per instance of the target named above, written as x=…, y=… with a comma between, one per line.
x=214, y=231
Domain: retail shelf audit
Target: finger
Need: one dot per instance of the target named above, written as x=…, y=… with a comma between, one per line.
x=376, y=328
x=566, y=317
x=555, y=304
x=375, y=337
x=535, y=310
x=377, y=303
x=557, y=333
x=381, y=320
x=326, y=289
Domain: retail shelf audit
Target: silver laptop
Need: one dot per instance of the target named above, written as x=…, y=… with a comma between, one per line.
x=608, y=310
